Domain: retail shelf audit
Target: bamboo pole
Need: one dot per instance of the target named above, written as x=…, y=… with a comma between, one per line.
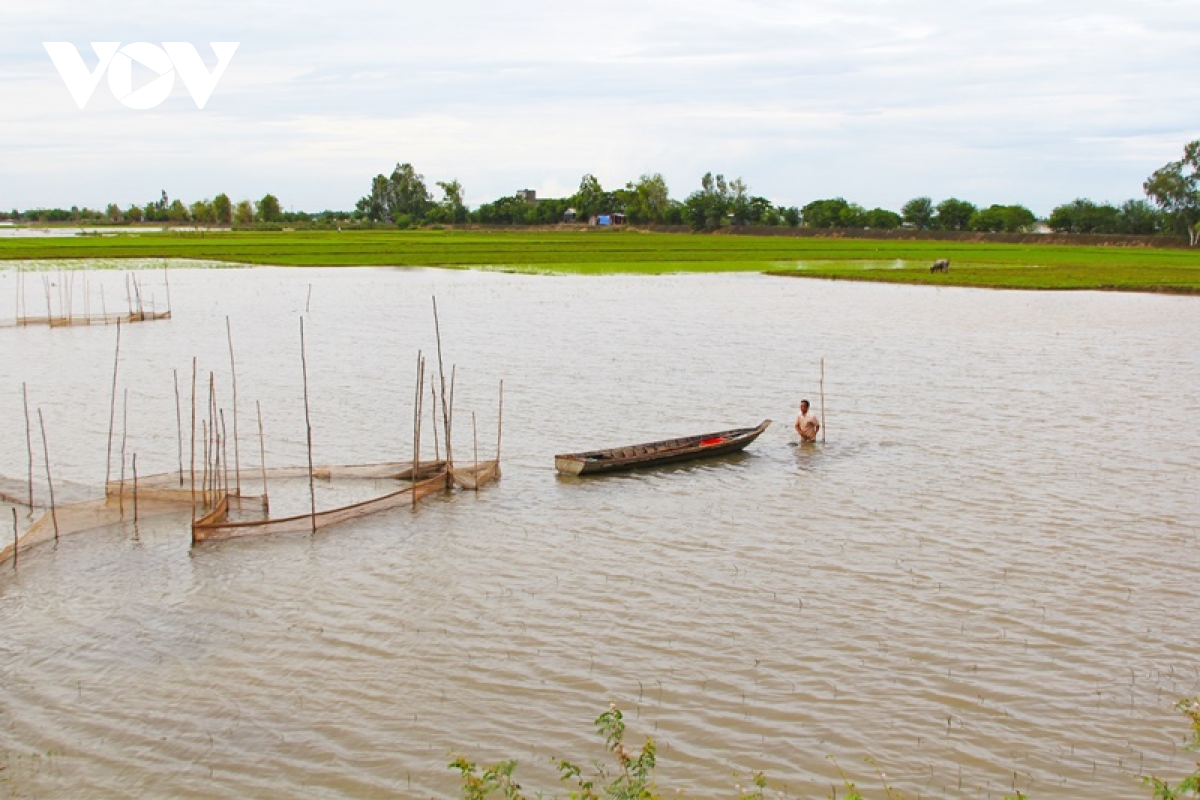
x=417, y=425
x=225, y=455
x=49, y=479
x=103, y=306
x=822, y=401
x=214, y=452
x=418, y=407
x=204, y=468
x=475, y=436
x=192, y=465
x=178, y=425
x=112, y=408
x=262, y=455
x=237, y=459
x=499, y=422
x=135, y=503
x=312, y=491
x=450, y=431
x=433, y=417
x=124, y=436
x=442, y=379
x=28, y=439
x=167, y=281
x=16, y=549
x=308, y=300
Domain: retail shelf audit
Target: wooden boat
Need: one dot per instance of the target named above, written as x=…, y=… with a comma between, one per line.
x=654, y=453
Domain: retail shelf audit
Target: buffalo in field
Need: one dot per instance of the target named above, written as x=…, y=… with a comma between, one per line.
x=941, y=265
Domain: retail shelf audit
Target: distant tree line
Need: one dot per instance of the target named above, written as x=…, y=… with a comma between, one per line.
x=220, y=210
x=403, y=199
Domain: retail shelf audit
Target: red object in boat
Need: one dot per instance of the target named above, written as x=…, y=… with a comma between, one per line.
x=713, y=440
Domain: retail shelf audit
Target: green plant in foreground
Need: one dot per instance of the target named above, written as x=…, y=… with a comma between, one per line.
x=633, y=778
x=1189, y=786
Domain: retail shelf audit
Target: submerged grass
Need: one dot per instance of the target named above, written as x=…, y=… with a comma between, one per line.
x=606, y=252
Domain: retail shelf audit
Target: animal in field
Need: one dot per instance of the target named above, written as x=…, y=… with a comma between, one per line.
x=941, y=265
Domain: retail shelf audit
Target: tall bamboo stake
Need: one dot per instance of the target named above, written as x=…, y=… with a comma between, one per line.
x=112, y=408
x=124, y=435
x=49, y=479
x=204, y=468
x=822, y=401
x=416, y=422
x=237, y=460
x=475, y=436
x=433, y=418
x=135, y=504
x=167, y=281
x=28, y=440
x=442, y=379
x=225, y=455
x=499, y=422
x=214, y=453
x=312, y=490
x=15, y=542
x=418, y=402
x=262, y=455
x=192, y=467
x=178, y=425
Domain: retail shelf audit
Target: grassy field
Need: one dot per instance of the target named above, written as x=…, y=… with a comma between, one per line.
x=592, y=252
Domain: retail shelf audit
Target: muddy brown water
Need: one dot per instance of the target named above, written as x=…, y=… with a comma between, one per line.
x=985, y=578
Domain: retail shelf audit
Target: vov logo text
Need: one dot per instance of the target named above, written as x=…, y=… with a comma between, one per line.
x=165, y=61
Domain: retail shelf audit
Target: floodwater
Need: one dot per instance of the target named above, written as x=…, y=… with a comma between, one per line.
x=985, y=579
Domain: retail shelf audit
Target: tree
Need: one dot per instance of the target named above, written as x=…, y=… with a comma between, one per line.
x=590, y=198
x=222, y=209
x=708, y=208
x=113, y=212
x=882, y=219
x=823, y=213
x=954, y=214
x=268, y=209
x=1175, y=188
x=918, y=213
x=407, y=193
x=243, y=214
x=451, y=209
x=202, y=212
x=133, y=213
x=649, y=199
x=834, y=213
x=1140, y=217
x=177, y=211
x=1083, y=216
x=998, y=218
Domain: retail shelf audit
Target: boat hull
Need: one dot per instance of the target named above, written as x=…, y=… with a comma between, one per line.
x=653, y=454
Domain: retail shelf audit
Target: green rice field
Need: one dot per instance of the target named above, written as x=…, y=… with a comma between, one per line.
x=605, y=252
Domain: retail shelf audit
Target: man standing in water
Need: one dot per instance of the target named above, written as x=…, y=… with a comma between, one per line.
x=806, y=424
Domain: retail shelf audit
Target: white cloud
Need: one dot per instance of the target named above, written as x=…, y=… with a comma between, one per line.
x=876, y=101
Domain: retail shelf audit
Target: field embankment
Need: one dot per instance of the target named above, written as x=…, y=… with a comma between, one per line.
x=974, y=263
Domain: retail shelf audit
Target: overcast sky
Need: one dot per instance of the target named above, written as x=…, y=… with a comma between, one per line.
x=994, y=102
